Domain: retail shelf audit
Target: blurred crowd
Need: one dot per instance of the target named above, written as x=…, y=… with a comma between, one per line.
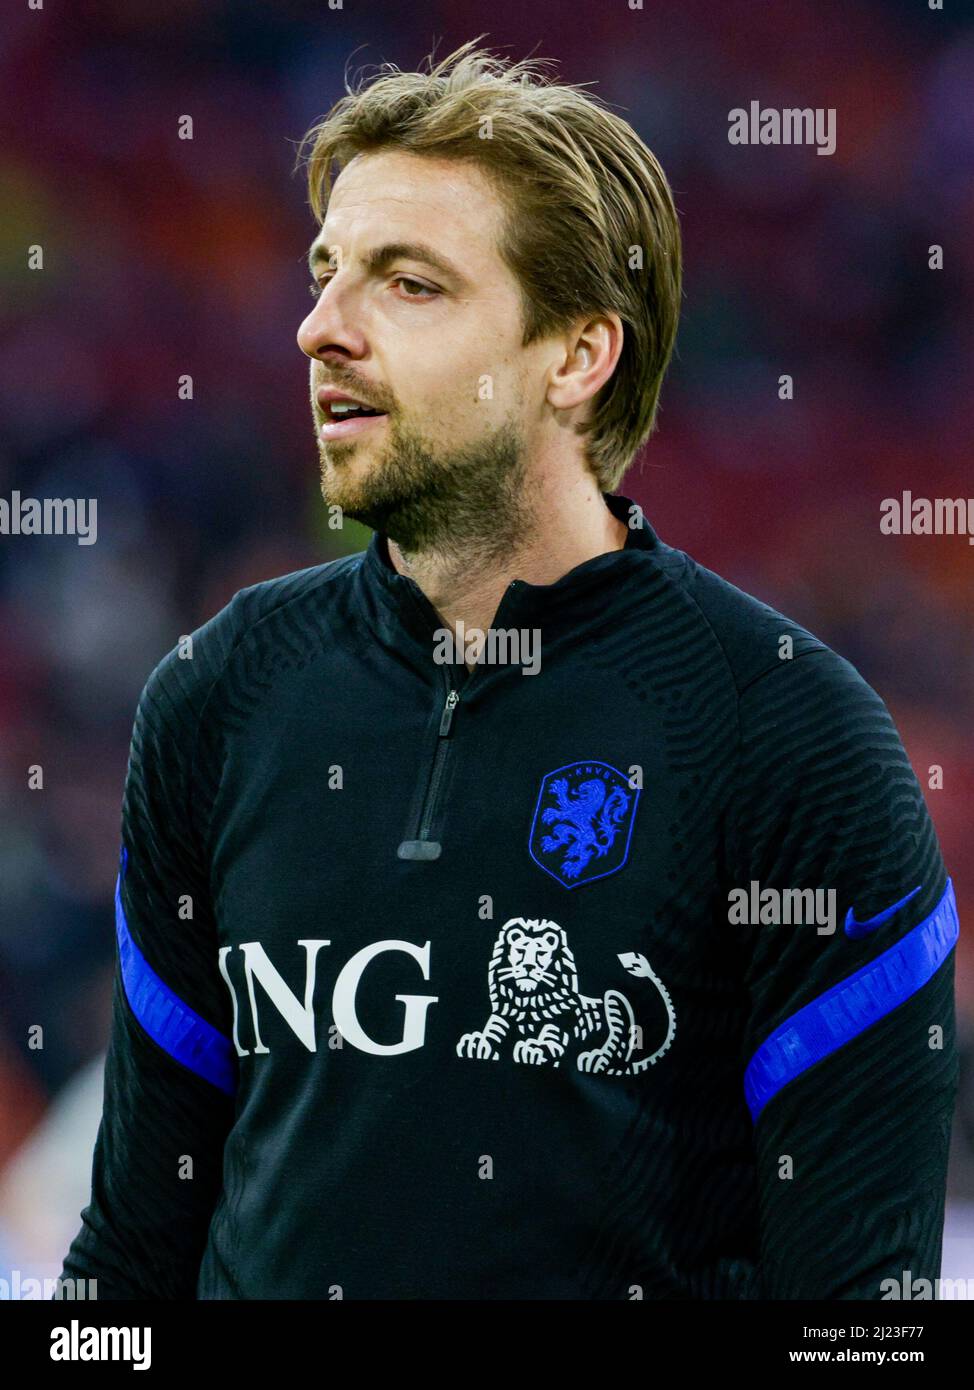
x=165, y=258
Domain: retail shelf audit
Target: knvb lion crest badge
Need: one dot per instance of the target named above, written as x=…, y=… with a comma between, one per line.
x=583, y=822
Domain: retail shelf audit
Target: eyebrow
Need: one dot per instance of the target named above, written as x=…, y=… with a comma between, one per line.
x=381, y=257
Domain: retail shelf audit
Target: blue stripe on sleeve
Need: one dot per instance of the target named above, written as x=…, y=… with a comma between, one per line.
x=853, y=1005
x=176, y=1027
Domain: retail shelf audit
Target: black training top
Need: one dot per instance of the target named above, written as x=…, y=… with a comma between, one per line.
x=624, y=974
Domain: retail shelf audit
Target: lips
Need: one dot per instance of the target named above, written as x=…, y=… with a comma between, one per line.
x=343, y=414
x=338, y=405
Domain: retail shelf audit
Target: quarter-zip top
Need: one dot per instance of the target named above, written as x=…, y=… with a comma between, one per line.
x=444, y=981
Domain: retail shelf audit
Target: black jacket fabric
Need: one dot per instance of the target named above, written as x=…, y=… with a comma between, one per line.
x=438, y=985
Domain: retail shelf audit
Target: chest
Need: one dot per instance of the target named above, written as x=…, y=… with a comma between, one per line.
x=529, y=875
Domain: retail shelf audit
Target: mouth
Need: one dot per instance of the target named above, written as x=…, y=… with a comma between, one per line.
x=344, y=416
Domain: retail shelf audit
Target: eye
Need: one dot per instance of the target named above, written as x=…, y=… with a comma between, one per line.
x=412, y=288
x=407, y=280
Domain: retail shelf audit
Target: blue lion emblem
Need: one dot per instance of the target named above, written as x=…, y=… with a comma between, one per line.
x=583, y=822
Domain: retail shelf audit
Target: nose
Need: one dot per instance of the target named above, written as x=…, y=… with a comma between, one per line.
x=333, y=326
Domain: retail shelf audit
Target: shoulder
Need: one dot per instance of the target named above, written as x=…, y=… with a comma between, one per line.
x=180, y=684
x=755, y=638
x=795, y=697
x=768, y=654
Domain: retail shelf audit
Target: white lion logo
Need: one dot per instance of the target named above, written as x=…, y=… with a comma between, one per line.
x=533, y=987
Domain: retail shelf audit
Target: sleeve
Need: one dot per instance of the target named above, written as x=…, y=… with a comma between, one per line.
x=170, y=1070
x=849, y=1061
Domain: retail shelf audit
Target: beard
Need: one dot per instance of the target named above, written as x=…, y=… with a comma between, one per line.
x=466, y=505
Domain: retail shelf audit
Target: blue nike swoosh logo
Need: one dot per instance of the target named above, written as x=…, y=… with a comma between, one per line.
x=856, y=929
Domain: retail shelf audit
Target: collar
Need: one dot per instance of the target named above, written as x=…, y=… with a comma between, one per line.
x=399, y=613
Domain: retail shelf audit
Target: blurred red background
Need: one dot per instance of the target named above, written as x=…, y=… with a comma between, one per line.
x=164, y=257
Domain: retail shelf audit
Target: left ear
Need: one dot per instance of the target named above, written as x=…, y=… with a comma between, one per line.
x=591, y=352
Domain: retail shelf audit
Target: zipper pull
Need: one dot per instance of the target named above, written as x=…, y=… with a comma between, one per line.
x=452, y=700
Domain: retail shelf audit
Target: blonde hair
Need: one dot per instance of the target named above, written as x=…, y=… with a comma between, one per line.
x=590, y=225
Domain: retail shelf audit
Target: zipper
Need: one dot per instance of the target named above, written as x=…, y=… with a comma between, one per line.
x=422, y=847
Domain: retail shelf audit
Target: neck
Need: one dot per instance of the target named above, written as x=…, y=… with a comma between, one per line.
x=569, y=525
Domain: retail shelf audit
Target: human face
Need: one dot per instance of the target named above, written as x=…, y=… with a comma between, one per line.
x=418, y=317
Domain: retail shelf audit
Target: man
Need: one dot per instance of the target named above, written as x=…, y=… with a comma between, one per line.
x=615, y=964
